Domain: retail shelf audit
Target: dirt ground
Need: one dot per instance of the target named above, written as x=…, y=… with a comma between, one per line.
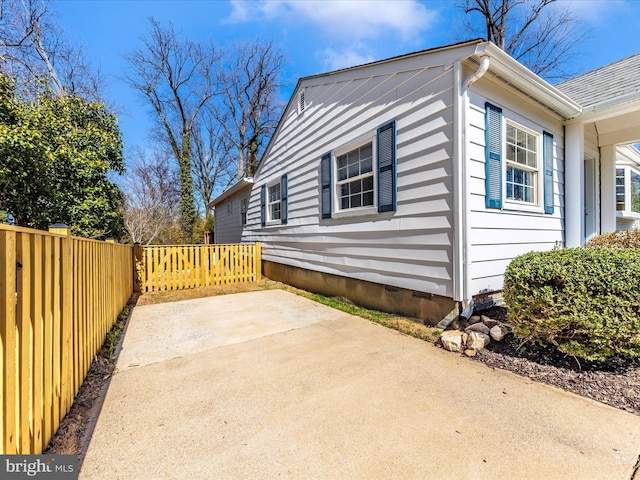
x=616, y=384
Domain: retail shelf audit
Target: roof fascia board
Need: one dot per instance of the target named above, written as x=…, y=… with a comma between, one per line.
x=514, y=72
x=239, y=186
x=611, y=108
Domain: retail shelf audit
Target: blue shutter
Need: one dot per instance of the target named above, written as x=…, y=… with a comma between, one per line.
x=263, y=206
x=493, y=156
x=387, y=167
x=547, y=153
x=284, y=201
x=325, y=184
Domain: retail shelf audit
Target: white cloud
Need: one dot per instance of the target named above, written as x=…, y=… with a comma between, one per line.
x=342, y=20
x=347, y=57
x=595, y=11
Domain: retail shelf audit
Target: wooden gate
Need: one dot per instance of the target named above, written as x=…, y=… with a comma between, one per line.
x=177, y=267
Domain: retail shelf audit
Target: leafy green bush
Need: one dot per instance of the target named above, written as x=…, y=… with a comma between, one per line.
x=618, y=239
x=585, y=302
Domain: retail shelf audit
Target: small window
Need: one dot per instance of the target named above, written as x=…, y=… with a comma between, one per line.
x=273, y=202
x=243, y=210
x=354, y=185
x=522, y=165
x=628, y=190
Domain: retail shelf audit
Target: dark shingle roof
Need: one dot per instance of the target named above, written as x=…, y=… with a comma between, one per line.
x=618, y=79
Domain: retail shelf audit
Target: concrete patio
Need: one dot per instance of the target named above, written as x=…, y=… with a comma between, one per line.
x=270, y=385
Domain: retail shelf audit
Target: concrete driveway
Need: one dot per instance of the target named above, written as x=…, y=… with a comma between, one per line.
x=268, y=385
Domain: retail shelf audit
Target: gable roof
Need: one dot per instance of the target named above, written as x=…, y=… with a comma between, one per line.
x=615, y=83
x=502, y=66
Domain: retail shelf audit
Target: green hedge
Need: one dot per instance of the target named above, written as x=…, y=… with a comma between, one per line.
x=585, y=302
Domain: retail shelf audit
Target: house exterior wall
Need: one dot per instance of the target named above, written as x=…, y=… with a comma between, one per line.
x=228, y=219
x=497, y=236
x=409, y=248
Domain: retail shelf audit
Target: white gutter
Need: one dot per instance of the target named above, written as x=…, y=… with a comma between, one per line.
x=463, y=182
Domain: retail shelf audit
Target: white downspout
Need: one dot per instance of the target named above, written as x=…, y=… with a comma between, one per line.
x=464, y=160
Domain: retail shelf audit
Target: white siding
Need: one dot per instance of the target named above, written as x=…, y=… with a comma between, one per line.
x=409, y=248
x=228, y=220
x=498, y=236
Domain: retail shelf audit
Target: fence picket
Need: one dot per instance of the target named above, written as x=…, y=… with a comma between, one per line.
x=59, y=297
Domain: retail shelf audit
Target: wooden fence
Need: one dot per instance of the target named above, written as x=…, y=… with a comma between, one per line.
x=175, y=267
x=59, y=296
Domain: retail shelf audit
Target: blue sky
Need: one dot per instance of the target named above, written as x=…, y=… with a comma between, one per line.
x=315, y=36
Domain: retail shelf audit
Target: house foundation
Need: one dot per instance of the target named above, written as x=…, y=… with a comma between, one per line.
x=427, y=308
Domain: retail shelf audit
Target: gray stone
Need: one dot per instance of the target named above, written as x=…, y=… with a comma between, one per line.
x=489, y=322
x=498, y=332
x=477, y=341
x=474, y=319
x=452, y=340
x=478, y=327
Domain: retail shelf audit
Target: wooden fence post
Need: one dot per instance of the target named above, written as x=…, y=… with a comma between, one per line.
x=258, y=260
x=138, y=267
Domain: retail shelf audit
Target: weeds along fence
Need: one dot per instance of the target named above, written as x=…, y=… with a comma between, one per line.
x=176, y=267
x=60, y=295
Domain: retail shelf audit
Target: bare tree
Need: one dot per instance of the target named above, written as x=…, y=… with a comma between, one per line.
x=211, y=165
x=151, y=197
x=540, y=35
x=249, y=110
x=33, y=51
x=177, y=78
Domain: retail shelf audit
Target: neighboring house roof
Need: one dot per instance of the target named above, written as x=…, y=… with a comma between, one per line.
x=615, y=83
x=238, y=187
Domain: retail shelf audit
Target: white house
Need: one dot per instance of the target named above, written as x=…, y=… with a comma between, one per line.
x=409, y=184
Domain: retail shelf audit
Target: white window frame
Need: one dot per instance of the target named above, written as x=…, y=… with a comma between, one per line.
x=338, y=211
x=269, y=203
x=511, y=204
x=627, y=212
x=244, y=203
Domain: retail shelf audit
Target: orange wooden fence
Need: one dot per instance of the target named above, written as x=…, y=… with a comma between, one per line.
x=175, y=267
x=59, y=296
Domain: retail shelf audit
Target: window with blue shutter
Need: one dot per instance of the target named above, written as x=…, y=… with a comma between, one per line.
x=493, y=156
x=263, y=205
x=284, y=199
x=547, y=153
x=387, y=167
x=325, y=185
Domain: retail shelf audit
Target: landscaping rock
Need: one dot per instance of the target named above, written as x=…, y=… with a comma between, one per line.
x=459, y=323
x=477, y=340
x=489, y=322
x=478, y=327
x=470, y=353
x=498, y=332
x=474, y=319
x=452, y=340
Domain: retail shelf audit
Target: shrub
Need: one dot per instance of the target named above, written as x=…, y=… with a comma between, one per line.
x=618, y=239
x=585, y=302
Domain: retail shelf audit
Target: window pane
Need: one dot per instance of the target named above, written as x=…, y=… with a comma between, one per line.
x=635, y=192
x=357, y=165
x=620, y=198
x=511, y=134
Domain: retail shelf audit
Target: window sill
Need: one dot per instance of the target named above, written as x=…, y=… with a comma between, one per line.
x=522, y=207
x=625, y=214
x=273, y=223
x=355, y=212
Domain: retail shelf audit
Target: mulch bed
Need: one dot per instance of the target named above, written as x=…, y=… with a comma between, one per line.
x=616, y=382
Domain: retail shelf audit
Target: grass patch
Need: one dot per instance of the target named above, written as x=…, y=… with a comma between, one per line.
x=401, y=324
